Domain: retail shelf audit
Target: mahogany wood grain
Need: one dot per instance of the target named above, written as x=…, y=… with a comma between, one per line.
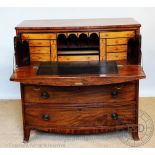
x=78, y=24
x=94, y=94
x=83, y=30
x=83, y=130
x=77, y=94
x=28, y=75
x=79, y=117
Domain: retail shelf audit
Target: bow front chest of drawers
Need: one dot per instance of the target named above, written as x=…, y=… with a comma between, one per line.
x=79, y=76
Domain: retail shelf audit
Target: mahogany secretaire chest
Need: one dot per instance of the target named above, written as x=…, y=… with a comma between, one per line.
x=79, y=76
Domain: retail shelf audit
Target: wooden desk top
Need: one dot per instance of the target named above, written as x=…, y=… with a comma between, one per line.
x=126, y=73
x=79, y=23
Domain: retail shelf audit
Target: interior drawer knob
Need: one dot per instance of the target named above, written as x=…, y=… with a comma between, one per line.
x=114, y=93
x=114, y=116
x=45, y=95
x=45, y=117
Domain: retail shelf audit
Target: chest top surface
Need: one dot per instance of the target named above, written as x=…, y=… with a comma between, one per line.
x=78, y=23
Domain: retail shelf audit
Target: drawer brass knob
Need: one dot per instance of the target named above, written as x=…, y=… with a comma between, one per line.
x=45, y=117
x=114, y=116
x=45, y=95
x=114, y=93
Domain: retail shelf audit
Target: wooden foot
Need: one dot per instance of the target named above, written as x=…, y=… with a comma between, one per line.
x=134, y=133
x=26, y=134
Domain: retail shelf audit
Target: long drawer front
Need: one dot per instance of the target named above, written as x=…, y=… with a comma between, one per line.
x=76, y=94
x=40, y=115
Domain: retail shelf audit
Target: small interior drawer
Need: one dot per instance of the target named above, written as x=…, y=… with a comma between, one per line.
x=39, y=43
x=38, y=36
x=40, y=57
x=78, y=58
x=117, y=41
x=117, y=48
x=117, y=34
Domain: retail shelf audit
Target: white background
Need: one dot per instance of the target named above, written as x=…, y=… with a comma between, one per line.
x=10, y=17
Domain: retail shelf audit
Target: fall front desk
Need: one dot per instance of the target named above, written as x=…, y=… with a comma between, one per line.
x=79, y=76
